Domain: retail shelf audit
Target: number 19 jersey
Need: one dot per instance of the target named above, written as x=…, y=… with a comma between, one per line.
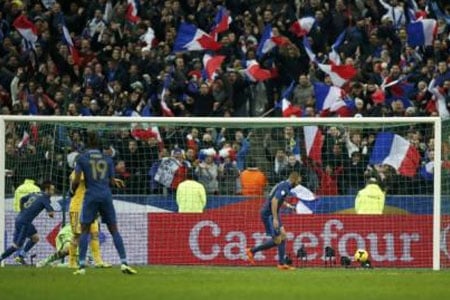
x=98, y=170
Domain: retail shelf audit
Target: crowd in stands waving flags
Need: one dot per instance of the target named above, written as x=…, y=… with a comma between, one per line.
x=237, y=59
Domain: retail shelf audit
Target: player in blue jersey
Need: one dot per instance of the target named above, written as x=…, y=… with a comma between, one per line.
x=31, y=206
x=98, y=170
x=272, y=222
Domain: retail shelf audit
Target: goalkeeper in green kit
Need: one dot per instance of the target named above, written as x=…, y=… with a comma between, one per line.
x=63, y=240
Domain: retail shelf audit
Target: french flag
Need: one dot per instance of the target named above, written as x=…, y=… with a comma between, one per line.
x=313, y=142
x=68, y=41
x=394, y=150
x=287, y=108
x=132, y=11
x=191, y=38
x=295, y=148
x=309, y=52
x=222, y=22
x=148, y=37
x=306, y=199
x=255, y=73
x=421, y=32
x=333, y=56
x=268, y=41
x=25, y=140
x=147, y=133
x=27, y=30
x=339, y=74
x=166, y=111
x=211, y=64
x=302, y=26
x=328, y=97
x=440, y=102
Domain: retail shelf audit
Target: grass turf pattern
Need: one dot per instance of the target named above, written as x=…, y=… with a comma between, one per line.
x=215, y=283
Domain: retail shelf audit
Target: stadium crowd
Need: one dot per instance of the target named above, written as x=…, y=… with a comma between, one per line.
x=120, y=62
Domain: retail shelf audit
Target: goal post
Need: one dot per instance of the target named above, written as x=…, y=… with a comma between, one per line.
x=411, y=231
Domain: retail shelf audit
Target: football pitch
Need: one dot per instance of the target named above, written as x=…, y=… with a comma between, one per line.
x=214, y=283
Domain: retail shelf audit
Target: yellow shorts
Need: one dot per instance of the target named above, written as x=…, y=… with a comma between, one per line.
x=74, y=217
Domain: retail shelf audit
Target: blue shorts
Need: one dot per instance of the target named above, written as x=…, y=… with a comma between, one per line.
x=268, y=225
x=100, y=205
x=21, y=232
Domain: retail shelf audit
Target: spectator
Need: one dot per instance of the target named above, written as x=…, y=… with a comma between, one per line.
x=253, y=180
x=303, y=92
x=353, y=174
x=328, y=177
x=120, y=73
x=123, y=174
x=192, y=140
x=228, y=172
x=241, y=146
x=191, y=195
x=157, y=187
x=370, y=200
x=181, y=171
x=207, y=171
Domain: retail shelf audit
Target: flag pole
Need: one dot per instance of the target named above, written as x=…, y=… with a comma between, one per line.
x=267, y=112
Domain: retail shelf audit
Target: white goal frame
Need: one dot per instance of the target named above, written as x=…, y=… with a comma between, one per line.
x=243, y=122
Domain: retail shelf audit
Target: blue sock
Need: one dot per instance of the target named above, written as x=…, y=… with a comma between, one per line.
x=8, y=252
x=118, y=243
x=267, y=245
x=82, y=249
x=20, y=252
x=282, y=253
x=30, y=244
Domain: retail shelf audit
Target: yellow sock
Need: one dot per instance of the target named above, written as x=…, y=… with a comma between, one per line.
x=95, y=249
x=73, y=254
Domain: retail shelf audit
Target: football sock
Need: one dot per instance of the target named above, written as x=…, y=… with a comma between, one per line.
x=95, y=248
x=282, y=253
x=72, y=254
x=21, y=252
x=30, y=244
x=83, y=245
x=52, y=258
x=8, y=252
x=118, y=243
x=267, y=245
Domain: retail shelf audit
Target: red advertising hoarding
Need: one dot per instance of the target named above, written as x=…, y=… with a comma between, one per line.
x=216, y=238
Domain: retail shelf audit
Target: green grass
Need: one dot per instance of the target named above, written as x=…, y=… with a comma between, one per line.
x=215, y=283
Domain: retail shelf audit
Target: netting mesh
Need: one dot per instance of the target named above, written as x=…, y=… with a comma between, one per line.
x=237, y=165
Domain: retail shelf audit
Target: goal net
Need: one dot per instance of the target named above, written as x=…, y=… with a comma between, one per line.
x=400, y=216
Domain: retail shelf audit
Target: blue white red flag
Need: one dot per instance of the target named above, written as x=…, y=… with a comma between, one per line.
x=302, y=26
x=222, y=22
x=191, y=38
x=421, y=32
x=394, y=150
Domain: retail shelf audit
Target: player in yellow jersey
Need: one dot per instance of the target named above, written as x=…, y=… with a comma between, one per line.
x=76, y=204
